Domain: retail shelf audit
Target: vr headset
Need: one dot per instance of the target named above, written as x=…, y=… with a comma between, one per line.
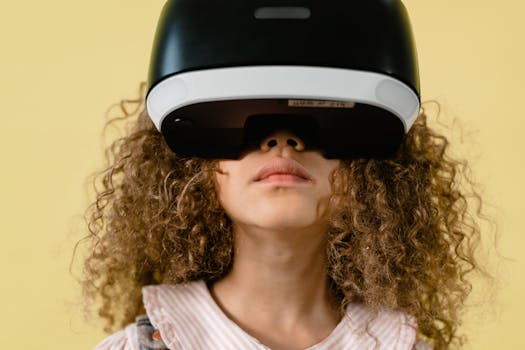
x=342, y=75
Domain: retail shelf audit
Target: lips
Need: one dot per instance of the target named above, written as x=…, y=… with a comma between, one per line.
x=282, y=166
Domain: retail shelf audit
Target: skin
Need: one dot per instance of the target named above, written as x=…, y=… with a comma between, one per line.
x=277, y=290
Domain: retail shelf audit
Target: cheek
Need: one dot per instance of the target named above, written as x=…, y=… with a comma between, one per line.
x=331, y=174
x=327, y=176
x=228, y=192
x=221, y=186
x=222, y=179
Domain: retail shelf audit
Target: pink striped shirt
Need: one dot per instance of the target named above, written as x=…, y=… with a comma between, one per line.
x=187, y=317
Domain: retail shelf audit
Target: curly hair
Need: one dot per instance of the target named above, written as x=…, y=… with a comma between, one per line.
x=401, y=233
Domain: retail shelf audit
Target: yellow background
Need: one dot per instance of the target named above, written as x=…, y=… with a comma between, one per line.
x=63, y=63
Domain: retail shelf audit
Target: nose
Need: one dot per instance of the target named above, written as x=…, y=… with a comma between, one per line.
x=282, y=139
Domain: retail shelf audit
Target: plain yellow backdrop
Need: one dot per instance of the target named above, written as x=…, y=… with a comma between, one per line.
x=63, y=63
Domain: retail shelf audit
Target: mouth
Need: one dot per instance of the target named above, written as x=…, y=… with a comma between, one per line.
x=284, y=180
x=283, y=170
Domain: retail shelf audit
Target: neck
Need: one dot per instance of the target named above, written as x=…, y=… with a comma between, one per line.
x=278, y=281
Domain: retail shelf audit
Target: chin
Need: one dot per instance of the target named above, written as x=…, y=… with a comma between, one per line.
x=285, y=216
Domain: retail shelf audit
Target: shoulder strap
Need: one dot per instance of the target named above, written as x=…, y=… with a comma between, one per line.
x=148, y=337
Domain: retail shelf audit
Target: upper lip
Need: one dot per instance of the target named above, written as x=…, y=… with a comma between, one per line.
x=282, y=166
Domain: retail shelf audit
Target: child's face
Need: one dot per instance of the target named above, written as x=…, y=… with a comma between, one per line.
x=272, y=204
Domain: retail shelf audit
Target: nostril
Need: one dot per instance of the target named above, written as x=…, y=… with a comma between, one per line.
x=272, y=141
x=292, y=143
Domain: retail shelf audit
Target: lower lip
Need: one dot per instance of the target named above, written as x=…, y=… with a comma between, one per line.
x=284, y=179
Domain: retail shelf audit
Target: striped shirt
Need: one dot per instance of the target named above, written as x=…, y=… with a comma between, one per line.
x=187, y=317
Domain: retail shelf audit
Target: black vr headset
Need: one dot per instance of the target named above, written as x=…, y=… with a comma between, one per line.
x=342, y=75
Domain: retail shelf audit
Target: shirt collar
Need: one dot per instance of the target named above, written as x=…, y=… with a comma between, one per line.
x=188, y=317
